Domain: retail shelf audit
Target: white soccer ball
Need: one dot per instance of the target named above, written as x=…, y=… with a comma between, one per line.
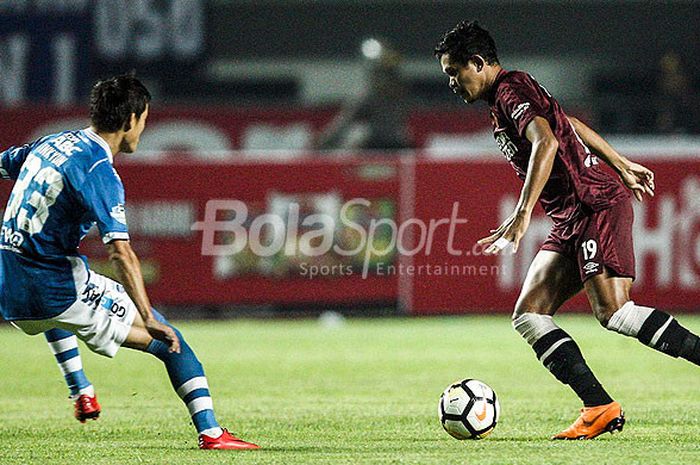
x=469, y=409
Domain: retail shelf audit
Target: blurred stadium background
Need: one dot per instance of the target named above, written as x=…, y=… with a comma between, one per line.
x=246, y=94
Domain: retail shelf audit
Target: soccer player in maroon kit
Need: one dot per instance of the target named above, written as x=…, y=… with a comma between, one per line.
x=589, y=246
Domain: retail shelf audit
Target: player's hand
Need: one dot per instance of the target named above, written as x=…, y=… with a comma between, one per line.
x=639, y=179
x=511, y=230
x=164, y=333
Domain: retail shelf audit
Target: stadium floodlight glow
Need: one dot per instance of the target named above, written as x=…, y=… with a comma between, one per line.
x=371, y=49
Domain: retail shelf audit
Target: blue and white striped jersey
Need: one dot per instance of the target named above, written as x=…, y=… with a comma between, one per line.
x=65, y=183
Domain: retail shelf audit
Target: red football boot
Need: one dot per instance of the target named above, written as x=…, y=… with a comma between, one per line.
x=87, y=407
x=225, y=441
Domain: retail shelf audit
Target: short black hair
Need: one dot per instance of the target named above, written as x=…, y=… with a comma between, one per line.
x=113, y=100
x=466, y=40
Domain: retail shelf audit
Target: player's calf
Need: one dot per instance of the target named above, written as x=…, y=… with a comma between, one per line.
x=64, y=346
x=561, y=356
x=189, y=381
x=655, y=329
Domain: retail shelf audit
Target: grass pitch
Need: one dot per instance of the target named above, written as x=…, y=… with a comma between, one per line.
x=363, y=393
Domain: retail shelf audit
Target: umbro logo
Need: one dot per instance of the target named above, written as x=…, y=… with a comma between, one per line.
x=591, y=267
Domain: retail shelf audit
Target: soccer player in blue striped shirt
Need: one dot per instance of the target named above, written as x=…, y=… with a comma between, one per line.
x=65, y=183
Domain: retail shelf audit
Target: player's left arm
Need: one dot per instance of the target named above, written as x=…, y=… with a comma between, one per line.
x=639, y=179
x=544, y=150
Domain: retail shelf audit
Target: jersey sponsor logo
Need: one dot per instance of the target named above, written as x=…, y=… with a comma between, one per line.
x=507, y=147
x=92, y=295
x=113, y=307
x=519, y=110
x=11, y=238
x=591, y=267
x=118, y=213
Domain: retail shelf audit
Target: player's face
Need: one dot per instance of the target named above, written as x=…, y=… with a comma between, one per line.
x=465, y=80
x=133, y=135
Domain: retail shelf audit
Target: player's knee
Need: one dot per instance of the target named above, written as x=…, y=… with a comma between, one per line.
x=532, y=326
x=524, y=306
x=605, y=311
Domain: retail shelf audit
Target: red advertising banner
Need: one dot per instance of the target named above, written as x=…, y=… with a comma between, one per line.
x=206, y=133
x=666, y=239
x=354, y=231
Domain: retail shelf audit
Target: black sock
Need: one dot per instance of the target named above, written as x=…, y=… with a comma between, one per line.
x=690, y=349
x=662, y=332
x=563, y=358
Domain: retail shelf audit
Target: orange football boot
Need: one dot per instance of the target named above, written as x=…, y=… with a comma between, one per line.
x=595, y=421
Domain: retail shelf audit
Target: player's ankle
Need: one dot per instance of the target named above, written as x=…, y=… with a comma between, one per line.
x=213, y=432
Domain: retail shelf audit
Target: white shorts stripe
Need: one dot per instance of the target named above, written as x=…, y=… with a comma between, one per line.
x=71, y=365
x=199, y=404
x=198, y=382
x=554, y=347
x=62, y=345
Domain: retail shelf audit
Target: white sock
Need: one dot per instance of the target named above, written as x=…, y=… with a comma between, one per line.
x=213, y=432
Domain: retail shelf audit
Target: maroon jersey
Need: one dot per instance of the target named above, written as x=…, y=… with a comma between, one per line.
x=578, y=183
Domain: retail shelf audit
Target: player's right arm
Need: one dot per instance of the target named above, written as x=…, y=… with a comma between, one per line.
x=638, y=178
x=128, y=269
x=102, y=193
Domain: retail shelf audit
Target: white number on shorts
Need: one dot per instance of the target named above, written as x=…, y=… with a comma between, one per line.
x=589, y=249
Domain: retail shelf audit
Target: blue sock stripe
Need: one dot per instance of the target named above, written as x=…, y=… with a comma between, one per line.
x=204, y=420
x=195, y=394
x=56, y=334
x=76, y=381
x=67, y=355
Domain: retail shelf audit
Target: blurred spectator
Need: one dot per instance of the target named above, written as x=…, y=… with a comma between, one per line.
x=377, y=119
x=676, y=110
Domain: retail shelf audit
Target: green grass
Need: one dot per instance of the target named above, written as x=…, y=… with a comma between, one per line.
x=363, y=393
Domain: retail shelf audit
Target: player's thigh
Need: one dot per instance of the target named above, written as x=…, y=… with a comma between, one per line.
x=606, y=294
x=102, y=315
x=551, y=280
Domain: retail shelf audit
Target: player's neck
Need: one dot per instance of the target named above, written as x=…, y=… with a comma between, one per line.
x=491, y=76
x=113, y=139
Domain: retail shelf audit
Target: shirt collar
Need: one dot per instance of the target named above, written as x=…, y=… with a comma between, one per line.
x=92, y=135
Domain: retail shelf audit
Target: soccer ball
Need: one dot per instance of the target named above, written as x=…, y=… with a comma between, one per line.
x=469, y=409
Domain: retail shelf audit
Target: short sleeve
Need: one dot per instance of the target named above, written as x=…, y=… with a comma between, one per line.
x=12, y=159
x=521, y=102
x=103, y=195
